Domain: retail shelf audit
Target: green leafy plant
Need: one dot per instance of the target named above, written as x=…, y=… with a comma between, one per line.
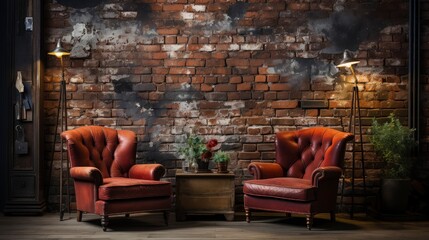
x=195, y=149
x=221, y=157
x=393, y=143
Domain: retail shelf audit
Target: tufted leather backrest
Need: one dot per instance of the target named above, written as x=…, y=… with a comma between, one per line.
x=301, y=152
x=112, y=151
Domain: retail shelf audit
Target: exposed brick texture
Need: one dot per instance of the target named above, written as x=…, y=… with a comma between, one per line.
x=232, y=70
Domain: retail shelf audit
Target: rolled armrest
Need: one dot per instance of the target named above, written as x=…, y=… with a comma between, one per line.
x=322, y=174
x=262, y=170
x=147, y=171
x=88, y=174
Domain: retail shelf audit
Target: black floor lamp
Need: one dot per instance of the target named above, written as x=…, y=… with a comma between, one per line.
x=61, y=120
x=347, y=62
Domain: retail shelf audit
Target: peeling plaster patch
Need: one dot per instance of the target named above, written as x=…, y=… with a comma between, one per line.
x=101, y=112
x=187, y=15
x=89, y=29
x=142, y=109
x=306, y=39
x=126, y=34
x=112, y=7
x=339, y=5
x=197, y=8
x=120, y=77
x=300, y=70
x=224, y=122
x=224, y=25
x=235, y=105
x=207, y=48
x=252, y=47
x=173, y=47
x=234, y=47
x=188, y=106
x=77, y=79
x=83, y=16
x=216, y=23
x=129, y=14
x=84, y=38
x=185, y=86
x=188, y=95
x=394, y=29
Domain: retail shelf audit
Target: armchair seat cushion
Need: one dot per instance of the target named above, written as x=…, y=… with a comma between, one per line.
x=294, y=189
x=119, y=188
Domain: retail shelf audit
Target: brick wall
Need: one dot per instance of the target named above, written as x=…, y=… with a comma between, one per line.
x=424, y=77
x=234, y=70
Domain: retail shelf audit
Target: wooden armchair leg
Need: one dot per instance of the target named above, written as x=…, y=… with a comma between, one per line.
x=332, y=216
x=166, y=217
x=309, y=221
x=104, y=222
x=248, y=214
x=79, y=216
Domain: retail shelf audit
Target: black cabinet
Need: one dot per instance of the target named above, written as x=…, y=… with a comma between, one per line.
x=24, y=184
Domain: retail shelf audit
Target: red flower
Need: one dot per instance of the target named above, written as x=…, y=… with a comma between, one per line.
x=206, y=155
x=212, y=143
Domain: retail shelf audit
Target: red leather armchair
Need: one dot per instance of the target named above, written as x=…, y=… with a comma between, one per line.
x=304, y=179
x=106, y=179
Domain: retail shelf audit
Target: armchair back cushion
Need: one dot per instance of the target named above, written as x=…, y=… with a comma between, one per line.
x=299, y=153
x=111, y=151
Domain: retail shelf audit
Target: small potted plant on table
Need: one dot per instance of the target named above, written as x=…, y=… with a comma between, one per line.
x=221, y=158
x=196, y=153
x=393, y=143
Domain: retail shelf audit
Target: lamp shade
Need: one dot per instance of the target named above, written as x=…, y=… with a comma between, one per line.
x=59, y=51
x=348, y=60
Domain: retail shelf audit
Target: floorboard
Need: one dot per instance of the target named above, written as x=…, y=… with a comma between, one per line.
x=263, y=226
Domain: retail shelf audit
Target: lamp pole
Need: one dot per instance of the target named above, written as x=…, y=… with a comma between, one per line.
x=61, y=119
x=348, y=62
x=355, y=112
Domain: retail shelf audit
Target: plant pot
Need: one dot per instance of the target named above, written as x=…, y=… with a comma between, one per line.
x=222, y=167
x=394, y=195
x=203, y=167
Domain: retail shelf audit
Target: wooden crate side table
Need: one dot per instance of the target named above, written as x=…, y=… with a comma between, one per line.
x=205, y=193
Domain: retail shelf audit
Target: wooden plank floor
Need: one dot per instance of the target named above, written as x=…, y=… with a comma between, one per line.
x=151, y=226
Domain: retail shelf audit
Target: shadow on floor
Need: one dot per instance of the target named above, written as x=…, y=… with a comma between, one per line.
x=155, y=222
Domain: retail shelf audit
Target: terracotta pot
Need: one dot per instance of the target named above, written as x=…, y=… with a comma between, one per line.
x=222, y=167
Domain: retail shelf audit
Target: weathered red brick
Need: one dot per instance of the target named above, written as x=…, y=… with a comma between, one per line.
x=215, y=62
x=182, y=70
x=284, y=104
x=258, y=121
x=173, y=7
x=148, y=48
x=225, y=87
x=195, y=62
x=260, y=78
x=298, y=6
x=261, y=87
x=175, y=62
x=244, y=87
